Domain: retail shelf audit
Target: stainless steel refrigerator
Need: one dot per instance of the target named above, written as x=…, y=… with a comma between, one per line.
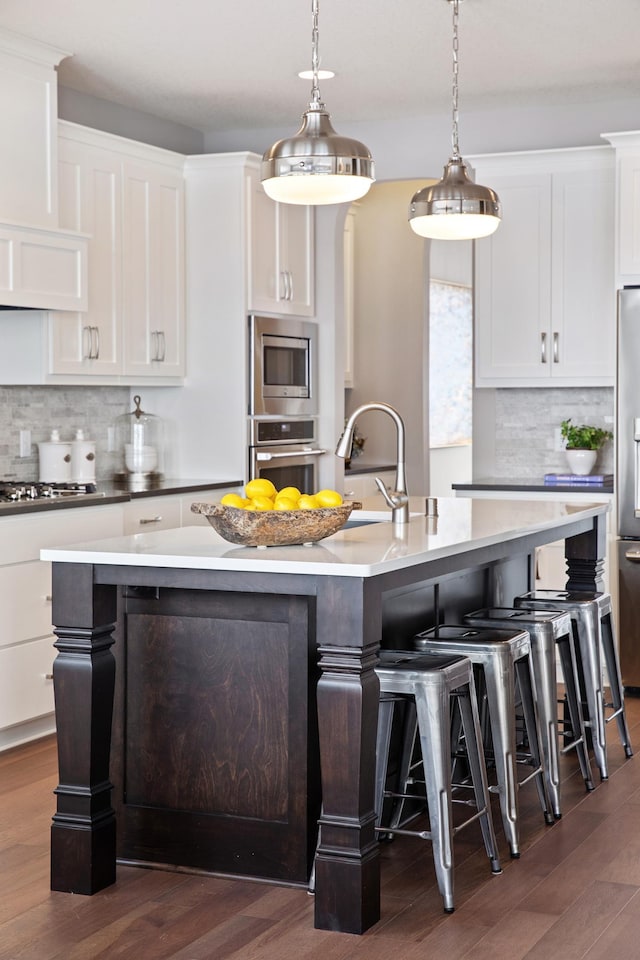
x=628, y=483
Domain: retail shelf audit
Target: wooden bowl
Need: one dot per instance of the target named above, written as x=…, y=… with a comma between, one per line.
x=274, y=528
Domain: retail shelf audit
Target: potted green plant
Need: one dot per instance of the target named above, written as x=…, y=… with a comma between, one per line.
x=582, y=445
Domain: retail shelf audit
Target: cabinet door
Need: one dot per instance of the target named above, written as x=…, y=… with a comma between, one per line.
x=266, y=288
x=583, y=305
x=296, y=257
x=280, y=250
x=153, y=270
x=513, y=285
x=90, y=184
x=629, y=214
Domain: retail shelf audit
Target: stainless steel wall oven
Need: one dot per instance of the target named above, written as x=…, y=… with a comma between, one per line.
x=285, y=452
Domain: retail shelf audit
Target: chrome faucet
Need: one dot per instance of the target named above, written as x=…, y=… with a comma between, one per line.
x=398, y=500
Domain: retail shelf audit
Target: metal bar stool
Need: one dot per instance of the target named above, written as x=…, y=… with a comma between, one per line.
x=592, y=621
x=505, y=658
x=548, y=629
x=434, y=684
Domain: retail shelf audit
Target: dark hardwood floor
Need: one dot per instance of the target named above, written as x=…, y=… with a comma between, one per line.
x=573, y=895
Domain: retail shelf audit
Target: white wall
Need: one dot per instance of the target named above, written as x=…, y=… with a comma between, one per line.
x=390, y=328
x=126, y=122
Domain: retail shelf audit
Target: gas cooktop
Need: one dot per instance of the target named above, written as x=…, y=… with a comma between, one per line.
x=14, y=492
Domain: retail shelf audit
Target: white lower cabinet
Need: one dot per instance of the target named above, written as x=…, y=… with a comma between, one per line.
x=26, y=640
x=145, y=514
x=152, y=513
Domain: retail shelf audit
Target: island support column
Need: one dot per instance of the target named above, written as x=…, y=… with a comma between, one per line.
x=83, y=833
x=585, y=555
x=347, y=879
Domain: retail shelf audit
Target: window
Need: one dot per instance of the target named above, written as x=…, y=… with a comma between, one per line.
x=450, y=363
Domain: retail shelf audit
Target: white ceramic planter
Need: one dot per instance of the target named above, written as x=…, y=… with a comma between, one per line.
x=581, y=462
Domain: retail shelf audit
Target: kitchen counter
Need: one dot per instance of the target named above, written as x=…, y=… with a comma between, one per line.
x=107, y=492
x=243, y=693
x=509, y=485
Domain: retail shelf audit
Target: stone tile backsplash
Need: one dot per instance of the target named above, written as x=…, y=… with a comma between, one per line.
x=67, y=409
x=526, y=419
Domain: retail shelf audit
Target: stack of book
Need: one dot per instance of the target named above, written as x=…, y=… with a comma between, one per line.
x=569, y=479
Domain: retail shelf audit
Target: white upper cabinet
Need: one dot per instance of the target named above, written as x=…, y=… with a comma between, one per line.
x=153, y=270
x=28, y=112
x=627, y=148
x=41, y=266
x=544, y=282
x=89, y=179
x=280, y=252
x=130, y=199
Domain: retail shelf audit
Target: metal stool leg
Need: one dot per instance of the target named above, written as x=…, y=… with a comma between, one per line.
x=609, y=649
x=473, y=737
x=579, y=742
x=523, y=673
x=434, y=729
x=544, y=670
x=501, y=695
x=587, y=628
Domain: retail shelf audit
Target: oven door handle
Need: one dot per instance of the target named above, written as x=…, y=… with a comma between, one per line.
x=262, y=456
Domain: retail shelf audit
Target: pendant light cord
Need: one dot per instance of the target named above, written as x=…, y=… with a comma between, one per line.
x=454, y=110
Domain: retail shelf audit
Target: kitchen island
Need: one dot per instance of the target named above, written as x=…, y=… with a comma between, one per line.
x=243, y=692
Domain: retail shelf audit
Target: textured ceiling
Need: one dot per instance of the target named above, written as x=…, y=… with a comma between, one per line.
x=218, y=64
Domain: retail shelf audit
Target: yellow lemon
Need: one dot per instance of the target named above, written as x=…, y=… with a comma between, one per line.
x=328, y=498
x=262, y=503
x=289, y=493
x=308, y=502
x=285, y=503
x=233, y=500
x=260, y=488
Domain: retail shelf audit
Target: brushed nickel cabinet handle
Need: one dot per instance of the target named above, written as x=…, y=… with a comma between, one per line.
x=543, y=348
x=87, y=343
x=556, y=348
x=150, y=520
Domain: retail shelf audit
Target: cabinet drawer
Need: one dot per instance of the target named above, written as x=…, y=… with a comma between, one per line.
x=22, y=537
x=153, y=513
x=25, y=690
x=25, y=602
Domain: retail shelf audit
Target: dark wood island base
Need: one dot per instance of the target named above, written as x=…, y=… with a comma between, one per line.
x=212, y=698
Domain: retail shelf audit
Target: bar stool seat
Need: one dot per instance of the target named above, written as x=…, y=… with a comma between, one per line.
x=436, y=685
x=504, y=657
x=591, y=616
x=548, y=629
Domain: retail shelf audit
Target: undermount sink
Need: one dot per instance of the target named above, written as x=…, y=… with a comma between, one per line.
x=361, y=518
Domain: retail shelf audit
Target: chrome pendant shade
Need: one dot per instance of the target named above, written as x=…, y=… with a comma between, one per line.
x=455, y=208
x=317, y=165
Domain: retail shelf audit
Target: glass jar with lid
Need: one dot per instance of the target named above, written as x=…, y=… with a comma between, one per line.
x=140, y=449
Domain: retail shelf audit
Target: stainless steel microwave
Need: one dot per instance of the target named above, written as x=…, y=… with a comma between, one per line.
x=282, y=366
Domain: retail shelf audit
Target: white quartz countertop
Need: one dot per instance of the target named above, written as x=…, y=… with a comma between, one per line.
x=361, y=551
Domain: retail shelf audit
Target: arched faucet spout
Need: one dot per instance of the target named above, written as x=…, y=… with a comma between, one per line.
x=398, y=501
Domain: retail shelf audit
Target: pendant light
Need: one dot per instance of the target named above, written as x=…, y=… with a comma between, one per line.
x=316, y=165
x=455, y=208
